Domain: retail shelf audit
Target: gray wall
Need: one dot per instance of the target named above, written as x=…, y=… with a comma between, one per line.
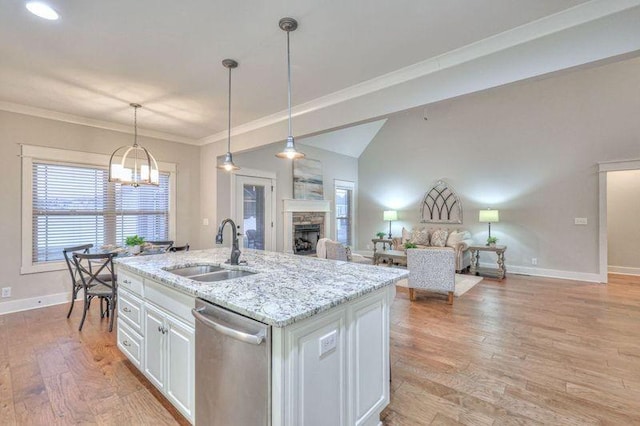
x=334, y=166
x=528, y=149
x=623, y=226
x=17, y=128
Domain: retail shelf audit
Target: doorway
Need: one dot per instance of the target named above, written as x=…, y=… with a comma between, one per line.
x=605, y=171
x=253, y=211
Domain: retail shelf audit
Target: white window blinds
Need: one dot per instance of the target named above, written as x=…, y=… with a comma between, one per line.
x=75, y=205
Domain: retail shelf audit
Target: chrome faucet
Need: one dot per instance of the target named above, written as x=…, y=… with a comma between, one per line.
x=235, y=249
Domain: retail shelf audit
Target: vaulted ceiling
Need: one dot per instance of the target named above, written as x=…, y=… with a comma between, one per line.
x=166, y=55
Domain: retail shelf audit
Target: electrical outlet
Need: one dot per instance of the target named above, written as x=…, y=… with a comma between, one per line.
x=534, y=260
x=580, y=221
x=6, y=291
x=328, y=342
x=205, y=222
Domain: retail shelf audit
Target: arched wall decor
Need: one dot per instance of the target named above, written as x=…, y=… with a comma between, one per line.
x=441, y=205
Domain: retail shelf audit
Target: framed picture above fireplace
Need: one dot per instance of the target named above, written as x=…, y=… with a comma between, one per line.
x=307, y=180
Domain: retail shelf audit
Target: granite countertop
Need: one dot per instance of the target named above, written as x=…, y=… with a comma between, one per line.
x=286, y=288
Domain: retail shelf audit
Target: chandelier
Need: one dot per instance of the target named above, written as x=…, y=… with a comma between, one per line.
x=133, y=165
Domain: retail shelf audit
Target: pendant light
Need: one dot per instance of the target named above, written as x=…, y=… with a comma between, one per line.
x=290, y=152
x=133, y=165
x=227, y=164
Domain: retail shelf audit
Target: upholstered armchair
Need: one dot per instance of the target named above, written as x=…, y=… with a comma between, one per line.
x=433, y=270
x=328, y=249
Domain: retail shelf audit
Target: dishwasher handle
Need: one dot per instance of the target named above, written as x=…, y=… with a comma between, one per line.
x=254, y=339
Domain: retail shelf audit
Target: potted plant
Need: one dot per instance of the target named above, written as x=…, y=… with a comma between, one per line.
x=491, y=241
x=134, y=242
x=380, y=235
x=409, y=245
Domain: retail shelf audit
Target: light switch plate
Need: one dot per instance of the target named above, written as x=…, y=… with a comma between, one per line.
x=328, y=342
x=205, y=222
x=580, y=221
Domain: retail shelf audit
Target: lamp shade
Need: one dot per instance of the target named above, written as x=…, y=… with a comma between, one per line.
x=491, y=216
x=390, y=215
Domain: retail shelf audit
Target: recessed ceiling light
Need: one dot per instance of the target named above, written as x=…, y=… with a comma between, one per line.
x=42, y=10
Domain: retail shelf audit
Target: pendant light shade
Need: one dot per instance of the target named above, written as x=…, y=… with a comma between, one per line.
x=290, y=151
x=227, y=164
x=134, y=165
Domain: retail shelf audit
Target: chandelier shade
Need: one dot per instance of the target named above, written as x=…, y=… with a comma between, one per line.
x=134, y=165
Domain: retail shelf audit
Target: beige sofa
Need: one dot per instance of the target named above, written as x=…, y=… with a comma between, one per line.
x=457, y=239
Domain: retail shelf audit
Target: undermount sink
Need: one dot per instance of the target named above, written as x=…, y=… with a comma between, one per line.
x=189, y=271
x=225, y=274
x=208, y=273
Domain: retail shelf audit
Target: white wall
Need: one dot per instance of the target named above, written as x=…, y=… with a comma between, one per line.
x=16, y=129
x=623, y=226
x=528, y=149
x=334, y=166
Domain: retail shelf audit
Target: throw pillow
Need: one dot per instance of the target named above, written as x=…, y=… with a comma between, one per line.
x=455, y=238
x=439, y=237
x=406, y=235
x=420, y=237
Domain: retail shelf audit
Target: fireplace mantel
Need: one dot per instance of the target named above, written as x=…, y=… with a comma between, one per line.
x=290, y=206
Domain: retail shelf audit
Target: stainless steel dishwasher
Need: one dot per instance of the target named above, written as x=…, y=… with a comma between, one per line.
x=233, y=368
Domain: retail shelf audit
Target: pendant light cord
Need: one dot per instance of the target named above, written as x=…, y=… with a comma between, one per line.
x=289, y=81
x=229, y=116
x=135, y=126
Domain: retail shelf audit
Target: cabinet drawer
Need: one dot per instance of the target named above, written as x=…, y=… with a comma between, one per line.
x=130, y=343
x=130, y=282
x=130, y=307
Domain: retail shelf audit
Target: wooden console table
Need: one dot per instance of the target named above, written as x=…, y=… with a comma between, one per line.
x=384, y=242
x=397, y=256
x=475, y=269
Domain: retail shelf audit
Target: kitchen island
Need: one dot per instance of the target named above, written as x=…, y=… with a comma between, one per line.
x=327, y=322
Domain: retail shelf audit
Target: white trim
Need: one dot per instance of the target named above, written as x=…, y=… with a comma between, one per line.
x=91, y=122
x=261, y=174
x=34, y=302
x=31, y=152
x=548, y=273
x=624, y=270
x=290, y=205
x=563, y=20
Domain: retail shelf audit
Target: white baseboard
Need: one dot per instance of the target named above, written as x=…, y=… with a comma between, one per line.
x=624, y=270
x=33, y=303
x=548, y=273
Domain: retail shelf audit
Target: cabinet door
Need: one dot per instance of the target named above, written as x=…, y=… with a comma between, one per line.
x=154, y=352
x=180, y=365
x=369, y=358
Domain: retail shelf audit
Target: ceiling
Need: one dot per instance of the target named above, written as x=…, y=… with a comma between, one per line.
x=166, y=55
x=350, y=141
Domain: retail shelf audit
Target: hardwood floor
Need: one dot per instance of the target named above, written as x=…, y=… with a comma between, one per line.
x=522, y=351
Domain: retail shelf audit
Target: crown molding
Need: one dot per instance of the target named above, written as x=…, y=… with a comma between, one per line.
x=84, y=121
x=577, y=15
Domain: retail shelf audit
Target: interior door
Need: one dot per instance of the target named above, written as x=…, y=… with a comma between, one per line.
x=254, y=198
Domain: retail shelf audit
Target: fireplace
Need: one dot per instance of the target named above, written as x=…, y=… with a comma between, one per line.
x=305, y=238
x=305, y=222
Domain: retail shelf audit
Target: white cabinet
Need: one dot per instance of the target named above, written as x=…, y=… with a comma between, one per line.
x=169, y=357
x=154, y=346
x=347, y=384
x=154, y=332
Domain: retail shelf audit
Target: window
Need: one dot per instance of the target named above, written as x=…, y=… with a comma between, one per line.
x=68, y=204
x=344, y=212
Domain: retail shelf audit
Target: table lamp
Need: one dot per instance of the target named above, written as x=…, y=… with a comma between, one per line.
x=390, y=215
x=489, y=216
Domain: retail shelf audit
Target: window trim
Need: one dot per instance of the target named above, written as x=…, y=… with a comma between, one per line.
x=64, y=156
x=349, y=185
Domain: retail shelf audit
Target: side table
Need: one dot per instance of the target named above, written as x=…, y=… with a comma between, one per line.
x=500, y=271
x=384, y=242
